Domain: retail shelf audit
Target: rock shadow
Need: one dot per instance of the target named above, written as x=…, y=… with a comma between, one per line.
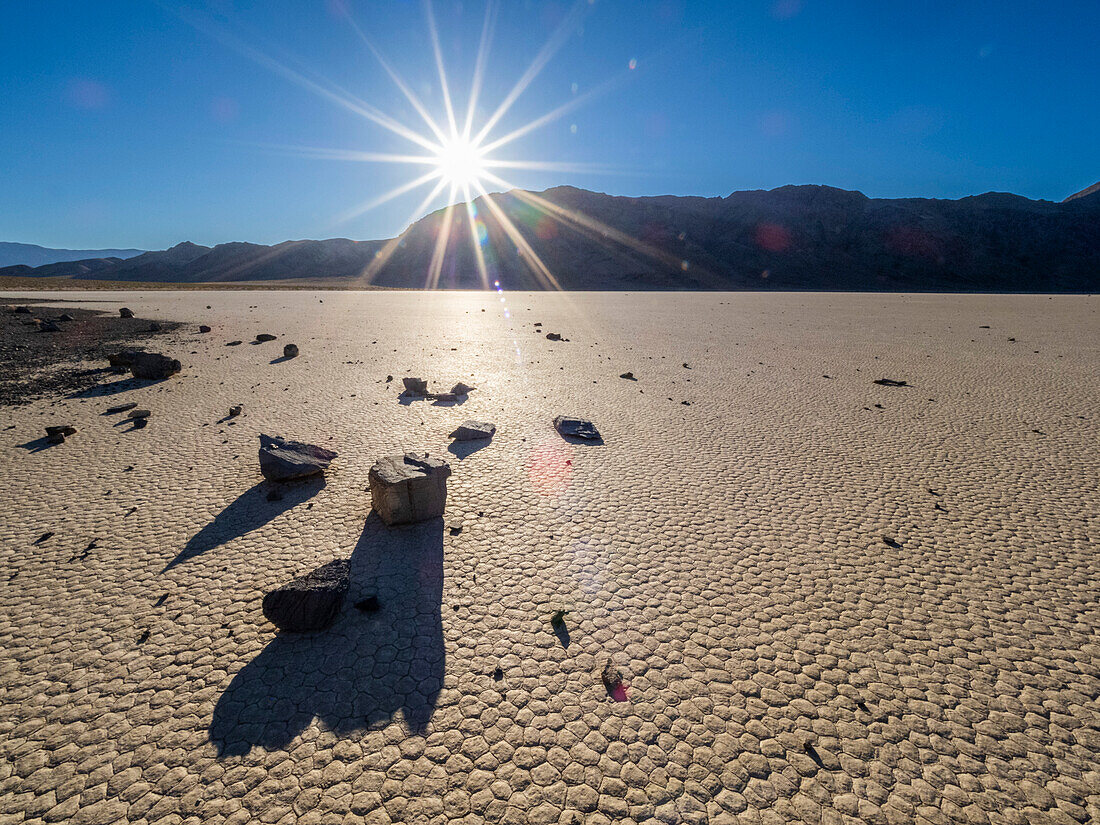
x=405, y=400
x=365, y=669
x=250, y=511
x=462, y=449
x=115, y=387
x=582, y=442
x=562, y=632
x=282, y=358
x=37, y=445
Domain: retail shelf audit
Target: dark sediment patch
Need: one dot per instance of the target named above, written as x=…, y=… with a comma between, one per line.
x=36, y=364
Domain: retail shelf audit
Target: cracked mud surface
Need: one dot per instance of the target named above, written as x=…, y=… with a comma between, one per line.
x=828, y=600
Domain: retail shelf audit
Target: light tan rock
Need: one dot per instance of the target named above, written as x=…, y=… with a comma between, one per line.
x=410, y=487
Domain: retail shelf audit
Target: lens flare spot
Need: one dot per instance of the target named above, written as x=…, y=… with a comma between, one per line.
x=546, y=229
x=772, y=237
x=550, y=468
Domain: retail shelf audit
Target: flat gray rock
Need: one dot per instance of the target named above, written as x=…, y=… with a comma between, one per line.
x=473, y=430
x=576, y=427
x=283, y=460
x=310, y=602
x=410, y=487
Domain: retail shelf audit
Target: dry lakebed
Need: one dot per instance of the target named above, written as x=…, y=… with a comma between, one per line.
x=780, y=591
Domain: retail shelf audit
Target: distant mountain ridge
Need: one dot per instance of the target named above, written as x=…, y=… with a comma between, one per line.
x=794, y=237
x=1084, y=192
x=29, y=254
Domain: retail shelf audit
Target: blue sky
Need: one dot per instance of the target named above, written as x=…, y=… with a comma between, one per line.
x=143, y=124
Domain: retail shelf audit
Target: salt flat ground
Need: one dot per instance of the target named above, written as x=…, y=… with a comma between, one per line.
x=784, y=662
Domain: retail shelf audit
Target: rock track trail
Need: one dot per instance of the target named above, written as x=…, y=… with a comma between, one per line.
x=794, y=598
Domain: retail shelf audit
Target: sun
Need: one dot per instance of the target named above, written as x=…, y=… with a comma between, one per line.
x=461, y=162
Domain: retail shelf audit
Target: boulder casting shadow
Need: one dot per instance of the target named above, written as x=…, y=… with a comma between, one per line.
x=365, y=670
x=250, y=511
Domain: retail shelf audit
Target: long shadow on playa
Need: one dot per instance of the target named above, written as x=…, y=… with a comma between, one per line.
x=464, y=449
x=365, y=669
x=37, y=445
x=249, y=512
x=115, y=387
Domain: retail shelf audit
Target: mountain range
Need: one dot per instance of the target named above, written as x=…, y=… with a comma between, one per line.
x=793, y=237
x=30, y=254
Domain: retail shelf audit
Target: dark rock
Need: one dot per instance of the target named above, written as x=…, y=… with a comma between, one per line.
x=140, y=423
x=57, y=434
x=235, y=411
x=290, y=351
x=473, y=430
x=125, y=312
x=498, y=674
x=410, y=487
x=368, y=605
x=265, y=336
x=415, y=386
x=283, y=460
x=629, y=376
x=48, y=326
x=557, y=620
x=890, y=382
x=121, y=408
x=153, y=365
x=462, y=389
x=47, y=535
x=22, y=310
x=65, y=317
x=122, y=360
x=204, y=328
x=140, y=414
x=553, y=336
x=234, y=343
x=310, y=602
x=576, y=427
x=389, y=378
x=890, y=542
